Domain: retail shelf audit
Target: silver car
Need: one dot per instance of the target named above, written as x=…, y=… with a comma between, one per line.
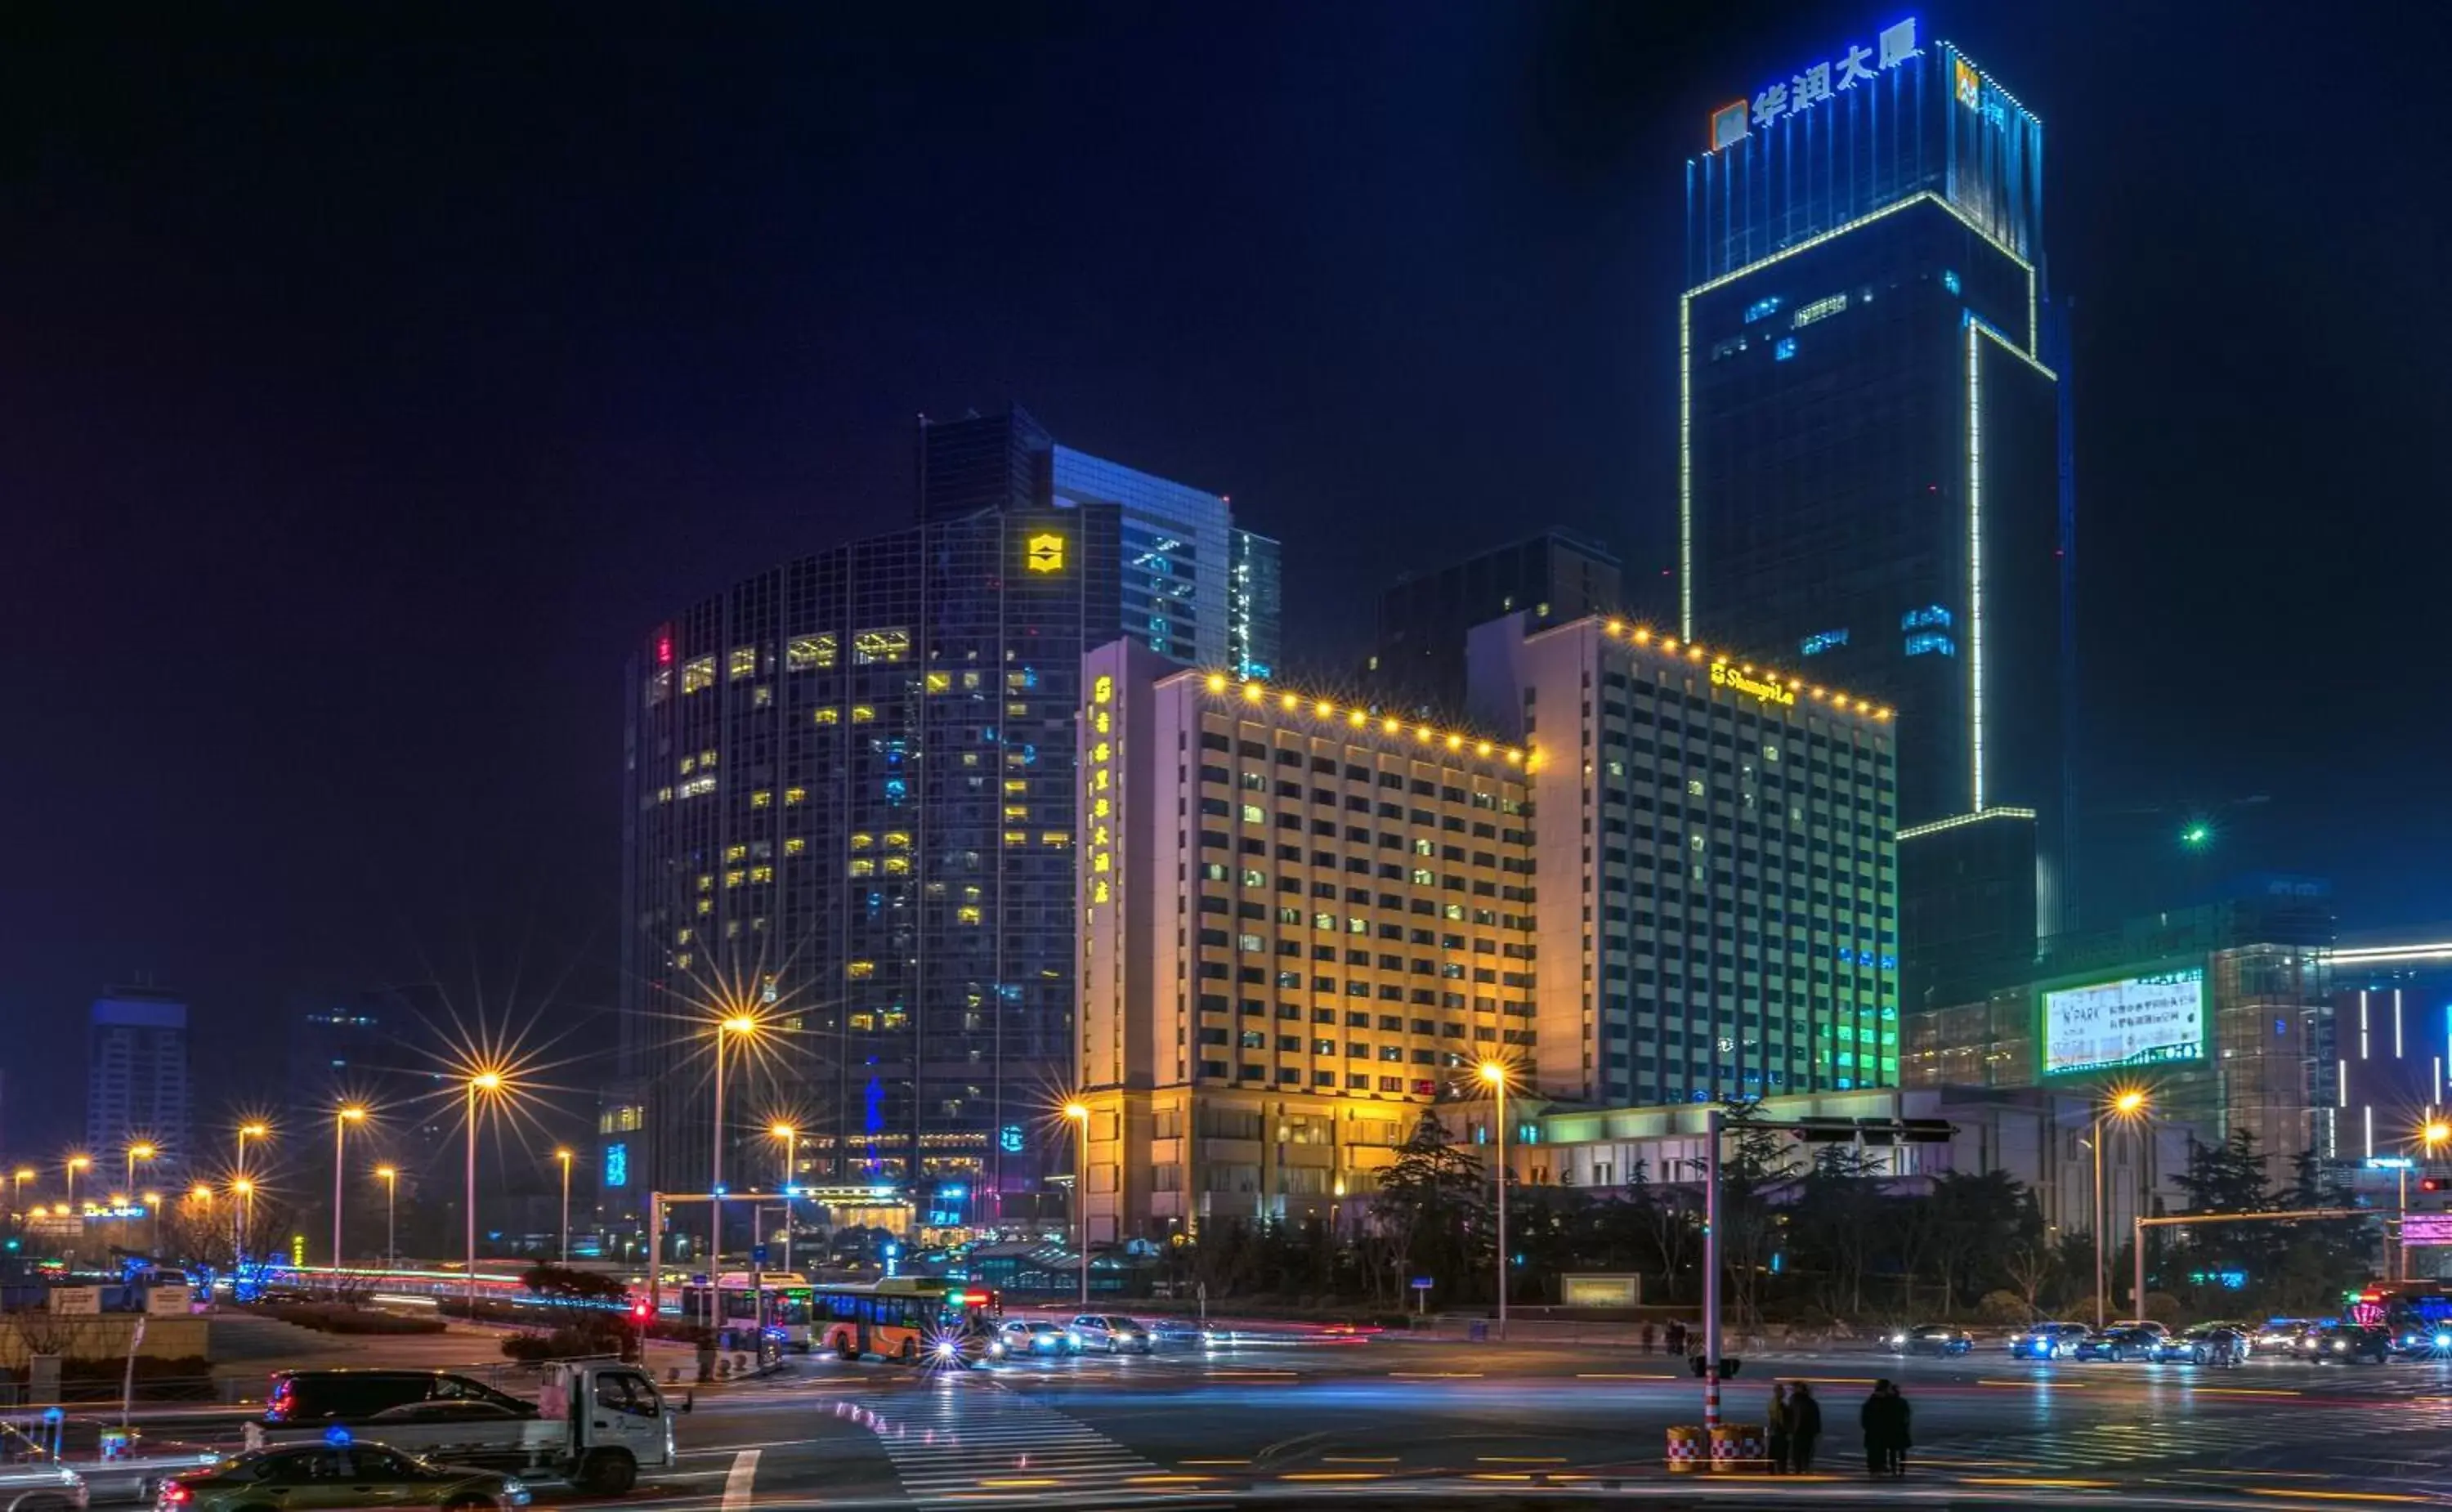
x=1111, y=1331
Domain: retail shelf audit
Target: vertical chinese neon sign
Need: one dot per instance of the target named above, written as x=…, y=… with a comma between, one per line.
x=1101, y=795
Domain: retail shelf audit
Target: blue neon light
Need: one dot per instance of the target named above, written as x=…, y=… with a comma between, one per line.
x=1815, y=645
x=1929, y=642
x=1922, y=618
x=1761, y=307
x=1950, y=280
x=617, y=1165
x=1782, y=350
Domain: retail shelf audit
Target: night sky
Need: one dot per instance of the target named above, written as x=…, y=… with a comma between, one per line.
x=363, y=398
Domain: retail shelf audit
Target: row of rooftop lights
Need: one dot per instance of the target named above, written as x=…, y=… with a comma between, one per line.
x=1256, y=692
x=1642, y=636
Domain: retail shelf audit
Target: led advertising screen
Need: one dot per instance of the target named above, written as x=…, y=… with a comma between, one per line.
x=2134, y=1021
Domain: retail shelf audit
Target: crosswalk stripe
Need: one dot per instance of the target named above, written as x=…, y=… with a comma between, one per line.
x=973, y=1430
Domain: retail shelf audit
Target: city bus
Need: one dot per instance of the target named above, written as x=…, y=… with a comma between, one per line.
x=901, y=1317
x=781, y=1306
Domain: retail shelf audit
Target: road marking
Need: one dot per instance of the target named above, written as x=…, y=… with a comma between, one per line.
x=1435, y=1375
x=1624, y=1375
x=1167, y=1479
x=2048, y=1385
x=1357, y=1458
x=2248, y=1391
x=1331, y=1475
x=2036, y=1480
x=1018, y=1485
x=737, y=1484
x=1521, y=1458
x=1216, y=1462
x=2331, y=1495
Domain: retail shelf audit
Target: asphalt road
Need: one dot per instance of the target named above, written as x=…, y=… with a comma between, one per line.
x=1520, y=1421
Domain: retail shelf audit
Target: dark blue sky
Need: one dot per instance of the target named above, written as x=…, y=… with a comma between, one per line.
x=363, y=396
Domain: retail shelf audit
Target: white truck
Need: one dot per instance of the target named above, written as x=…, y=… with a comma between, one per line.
x=593, y=1424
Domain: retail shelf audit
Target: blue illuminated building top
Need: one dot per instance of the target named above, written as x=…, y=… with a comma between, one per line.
x=1832, y=141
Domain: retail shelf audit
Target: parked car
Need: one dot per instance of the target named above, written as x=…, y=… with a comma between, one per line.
x=1931, y=1338
x=2205, y=1344
x=2121, y=1343
x=1111, y=1331
x=2047, y=1341
x=337, y=1475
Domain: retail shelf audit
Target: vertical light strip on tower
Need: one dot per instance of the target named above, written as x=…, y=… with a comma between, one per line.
x=1975, y=559
x=1685, y=466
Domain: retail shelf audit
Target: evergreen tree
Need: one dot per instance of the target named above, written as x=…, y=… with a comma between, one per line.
x=1432, y=1199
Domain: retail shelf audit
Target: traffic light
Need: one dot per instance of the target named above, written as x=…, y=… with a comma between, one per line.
x=640, y=1313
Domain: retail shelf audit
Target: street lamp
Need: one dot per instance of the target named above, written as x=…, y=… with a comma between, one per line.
x=2126, y=1104
x=25, y=1174
x=74, y=1164
x=1495, y=1074
x=746, y=1026
x=791, y=1138
x=245, y=1132
x=153, y=1201
x=391, y=1176
x=1080, y=1113
x=486, y=1083
x=140, y=1151
x=243, y=1191
x=563, y=1156
x=343, y=1117
x=2431, y=1137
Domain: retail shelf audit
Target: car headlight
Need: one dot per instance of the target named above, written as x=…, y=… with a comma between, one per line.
x=1073, y=1338
x=995, y=1347
x=2337, y=1344
x=2444, y=1341
x=945, y=1348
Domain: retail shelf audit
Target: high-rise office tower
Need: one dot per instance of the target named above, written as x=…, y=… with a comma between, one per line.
x=1301, y=923
x=853, y=813
x=1874, y=464
x=1728, y=829
x=136, y=1079
x=1418, y=656
x=1255, y=605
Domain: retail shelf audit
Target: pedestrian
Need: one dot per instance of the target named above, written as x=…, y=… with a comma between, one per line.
x=1885, y=1418
x=1776, y=1422
x=1803, y=1427
x=1647, y=1338
x=1676, y=1337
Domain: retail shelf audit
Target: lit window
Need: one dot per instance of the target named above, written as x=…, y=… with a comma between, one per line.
x=705, y=881
x=1930, y=616
x=967, y=914
x=689, y=764
x=1761, y=307
x=698, y=674
x=1828, y=639
x=744, y=661
x=1821, y=309
x=862, y=866
x=793, y=795
x=828, y=716
x=1950, y=280
x=705, y=907
x=862, y=713
x=1931, y=642
x=762, y=798
x=898, y=840
x=682, y=962
x=1782, y=350
x=857, y=970
x=1057, y=838
x=1252, y=814
x=804, y=653
x=795, y=846
x=696, y=786
x=732, y=878
x=940, y=681
x=681, y=936
x=1017, y=811
x=1016, y=838
x=736, y=853
x=762, y=874
x=879, y=645
x=862, y=840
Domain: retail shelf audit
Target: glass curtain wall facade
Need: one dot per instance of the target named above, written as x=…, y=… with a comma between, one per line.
x=1418, y=658
x=1256, y=607
x=851, y=809
x=1872, y=468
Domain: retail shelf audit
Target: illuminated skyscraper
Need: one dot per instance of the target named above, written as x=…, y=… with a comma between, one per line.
x=1874, y=461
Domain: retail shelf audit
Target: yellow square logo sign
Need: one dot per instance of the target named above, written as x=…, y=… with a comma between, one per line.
x=1045, y=552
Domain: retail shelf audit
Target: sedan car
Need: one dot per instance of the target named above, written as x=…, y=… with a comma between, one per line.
x=2121, y=1343
x=2205, y=1344
x=2047, y=1341
x=2424, y=1341
x=337, y=1475
x=1023, y=1338
x=1111, y=1331
x=2281, y=1335
x=2347, y=1344
x=1931, y=1338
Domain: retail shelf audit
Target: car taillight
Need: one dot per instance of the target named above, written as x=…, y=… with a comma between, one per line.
x=175, y=1495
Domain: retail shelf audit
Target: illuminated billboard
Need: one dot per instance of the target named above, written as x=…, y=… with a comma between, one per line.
x=2134, y=1021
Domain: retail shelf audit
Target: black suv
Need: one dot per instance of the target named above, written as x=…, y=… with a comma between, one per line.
x=309, y=1396
x=2346, y=1343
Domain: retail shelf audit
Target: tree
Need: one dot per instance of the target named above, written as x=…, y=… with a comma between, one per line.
x=1834, y=1222
x=1431, y=1196
x=1754, y=1160
x=1976, y=1218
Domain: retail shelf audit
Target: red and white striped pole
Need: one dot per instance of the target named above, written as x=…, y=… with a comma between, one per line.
x=1711, y=1269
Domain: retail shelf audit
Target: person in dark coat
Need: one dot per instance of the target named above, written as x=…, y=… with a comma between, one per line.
x=1803, y=1427
x=1776, y=1424
x=1647, y=1338
x=1676, y=1338
x=1885, y=1418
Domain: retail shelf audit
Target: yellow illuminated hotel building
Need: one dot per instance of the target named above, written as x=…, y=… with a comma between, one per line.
x=1301, y=921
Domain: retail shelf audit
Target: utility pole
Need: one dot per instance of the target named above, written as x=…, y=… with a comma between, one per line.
x=1712, y=1268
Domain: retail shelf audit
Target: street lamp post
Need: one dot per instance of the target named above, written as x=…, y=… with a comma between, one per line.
x=242, y=1223
x=25, y=1174
x=2125, y=1104
x=790, y=1136
x=73, y=1164
x=153, y=1201
x=2432, y=1135
x=563, y=1156
x=486, y=1083
x=343, y=1117
x=1080, y=1113
x=1496, y=1074
x=140, y=1151
x=245, y=1132
x=744, y=1025
x=390, y=1175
